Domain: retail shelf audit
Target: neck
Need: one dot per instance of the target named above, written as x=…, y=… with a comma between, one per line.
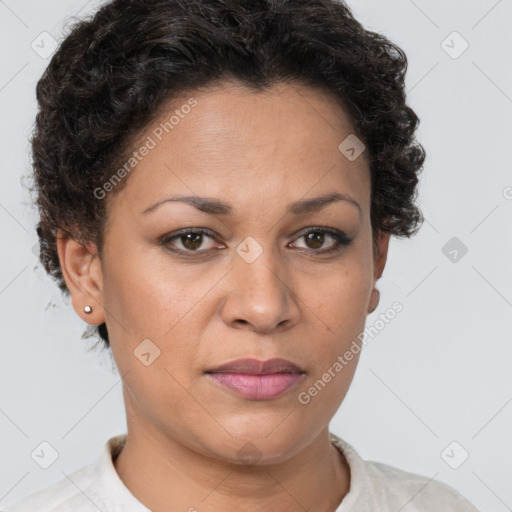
x=165, y=475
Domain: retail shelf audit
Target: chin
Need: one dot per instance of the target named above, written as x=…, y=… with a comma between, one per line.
x=259, y=444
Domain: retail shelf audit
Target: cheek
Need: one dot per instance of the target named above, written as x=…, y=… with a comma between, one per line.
x=145, y=300
x=340, y=314
x=341, y=301
x=158, y=393
x=147, y=303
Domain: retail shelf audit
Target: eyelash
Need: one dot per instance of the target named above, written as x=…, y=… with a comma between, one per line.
x=341, y=239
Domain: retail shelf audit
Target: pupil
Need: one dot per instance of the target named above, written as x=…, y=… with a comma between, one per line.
x=317, y=238
x=194, y=238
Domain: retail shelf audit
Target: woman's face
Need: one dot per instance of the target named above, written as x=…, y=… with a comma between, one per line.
x=263, y=283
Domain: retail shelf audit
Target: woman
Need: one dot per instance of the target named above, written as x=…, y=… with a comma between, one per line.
x=218, y=181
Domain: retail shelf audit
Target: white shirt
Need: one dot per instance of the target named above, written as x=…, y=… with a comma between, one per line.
x=374, y=487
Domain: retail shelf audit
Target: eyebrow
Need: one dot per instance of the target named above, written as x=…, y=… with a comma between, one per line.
x=217, y=207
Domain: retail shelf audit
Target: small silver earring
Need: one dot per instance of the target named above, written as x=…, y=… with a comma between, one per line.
x=87, y=309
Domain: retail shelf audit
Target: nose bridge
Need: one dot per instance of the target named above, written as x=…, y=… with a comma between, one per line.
x=261, y=274
x=259, y=293
x=257, y=270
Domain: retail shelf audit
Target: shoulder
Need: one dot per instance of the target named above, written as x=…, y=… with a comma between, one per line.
x=74, y=492
x=88, y=489
x=384, y=487
x=417, y=491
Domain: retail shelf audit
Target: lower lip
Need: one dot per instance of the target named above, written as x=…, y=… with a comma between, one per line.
x=257, y=387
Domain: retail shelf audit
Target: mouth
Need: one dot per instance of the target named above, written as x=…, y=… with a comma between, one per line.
x=257, y=380
x=257, y=367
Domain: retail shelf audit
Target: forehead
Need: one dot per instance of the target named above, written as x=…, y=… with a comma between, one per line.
x=229, y=140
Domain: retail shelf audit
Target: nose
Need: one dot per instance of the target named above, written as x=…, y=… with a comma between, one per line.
x=260, y=296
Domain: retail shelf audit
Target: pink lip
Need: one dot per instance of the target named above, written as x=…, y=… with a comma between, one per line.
x=257, y=387
x=255, y=379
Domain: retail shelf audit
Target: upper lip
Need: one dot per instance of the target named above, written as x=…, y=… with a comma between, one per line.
x=257, y=367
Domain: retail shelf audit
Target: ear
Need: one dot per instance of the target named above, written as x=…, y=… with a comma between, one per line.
x=380, y=255
x=81, y=269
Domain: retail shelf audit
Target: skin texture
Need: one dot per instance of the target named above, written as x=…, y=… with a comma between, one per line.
x=259, y=152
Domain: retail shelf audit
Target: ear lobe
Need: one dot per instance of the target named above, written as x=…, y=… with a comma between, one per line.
x=81, y=269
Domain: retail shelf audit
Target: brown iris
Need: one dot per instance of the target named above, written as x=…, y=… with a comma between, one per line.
x=315, y=237
x=192, y=240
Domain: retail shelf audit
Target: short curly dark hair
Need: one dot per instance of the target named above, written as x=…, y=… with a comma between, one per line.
x=113, y=71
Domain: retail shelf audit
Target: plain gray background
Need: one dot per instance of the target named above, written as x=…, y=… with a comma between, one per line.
x=432, y=387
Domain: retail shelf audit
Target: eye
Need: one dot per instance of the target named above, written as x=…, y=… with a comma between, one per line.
x=315, y=238
x=191, y=240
